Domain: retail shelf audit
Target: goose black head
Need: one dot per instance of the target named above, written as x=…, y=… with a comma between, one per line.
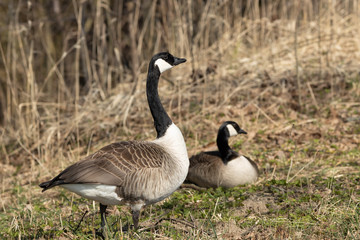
x=164, y=61
x=231, y=128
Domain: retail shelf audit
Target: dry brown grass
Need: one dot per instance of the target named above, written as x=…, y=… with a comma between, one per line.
x=72, y=80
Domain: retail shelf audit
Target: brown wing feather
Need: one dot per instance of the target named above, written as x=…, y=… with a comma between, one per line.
x=112, y=164
x=203, y=158
x=205, y=169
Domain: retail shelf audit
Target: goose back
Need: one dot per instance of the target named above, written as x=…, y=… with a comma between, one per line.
x=205, y=169
x=137, y=170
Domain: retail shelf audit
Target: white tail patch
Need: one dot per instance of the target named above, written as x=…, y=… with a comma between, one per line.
x=162, y=65
x=104, y=194
x=231, y=130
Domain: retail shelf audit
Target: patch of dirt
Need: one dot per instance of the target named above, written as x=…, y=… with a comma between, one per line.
x=257, y=204
x=230, y=230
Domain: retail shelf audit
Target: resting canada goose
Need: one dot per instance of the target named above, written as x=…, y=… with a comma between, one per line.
x=225, y=168
x=135, y=173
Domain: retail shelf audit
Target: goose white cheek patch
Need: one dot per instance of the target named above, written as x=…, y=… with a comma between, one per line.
x=231, y=130
x=162, y=65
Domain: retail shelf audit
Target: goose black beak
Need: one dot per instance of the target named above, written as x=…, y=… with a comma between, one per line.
x=241, y=131
x=178, y=61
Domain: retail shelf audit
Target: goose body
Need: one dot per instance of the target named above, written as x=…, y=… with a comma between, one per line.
x=225, y=168
x=135, y=173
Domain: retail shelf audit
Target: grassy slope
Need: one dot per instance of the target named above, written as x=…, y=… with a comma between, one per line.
x=321, y=202
x=300, y=106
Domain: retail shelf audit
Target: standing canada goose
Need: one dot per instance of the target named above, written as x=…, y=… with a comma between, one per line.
x=135, y=173
x=225, y=168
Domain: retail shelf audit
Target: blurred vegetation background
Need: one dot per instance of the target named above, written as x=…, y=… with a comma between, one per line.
x=58, y=55
x=71, y=71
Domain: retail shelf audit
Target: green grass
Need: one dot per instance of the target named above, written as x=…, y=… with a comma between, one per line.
x=318, y=197
x=307, y=206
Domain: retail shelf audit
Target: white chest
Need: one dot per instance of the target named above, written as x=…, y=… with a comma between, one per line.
x=173, y=142
x=239, y=171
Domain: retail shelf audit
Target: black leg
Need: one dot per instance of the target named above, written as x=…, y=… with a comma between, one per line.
x=103, y=215
x=135, y=217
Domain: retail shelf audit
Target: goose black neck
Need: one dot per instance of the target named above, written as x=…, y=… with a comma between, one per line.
x=222, y=141
x=161, y=119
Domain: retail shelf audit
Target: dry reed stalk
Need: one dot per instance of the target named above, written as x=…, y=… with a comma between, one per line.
x=79, y=16
x=296, y=55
